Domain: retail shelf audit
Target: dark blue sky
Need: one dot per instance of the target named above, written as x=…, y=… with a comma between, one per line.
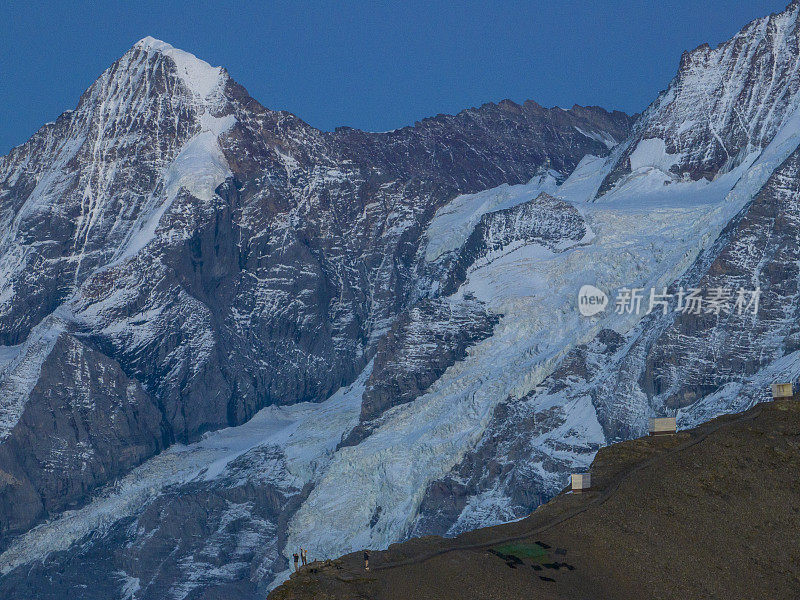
x=370, y=65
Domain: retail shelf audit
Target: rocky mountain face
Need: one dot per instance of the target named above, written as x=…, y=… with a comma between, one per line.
x=116, y=425
x=226, y=334
x=724, y=104
x=176, y=257
x=543, y=220
x=218, y=538
x=420, y=346
x=694, y=366
x=538, y=428
x=760, y=251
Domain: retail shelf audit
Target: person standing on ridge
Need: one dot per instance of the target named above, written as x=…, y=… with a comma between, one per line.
x=366, y=560
x=296, y=558
x=304, y=556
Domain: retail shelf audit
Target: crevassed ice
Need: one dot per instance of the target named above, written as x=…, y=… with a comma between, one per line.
x=647, y=234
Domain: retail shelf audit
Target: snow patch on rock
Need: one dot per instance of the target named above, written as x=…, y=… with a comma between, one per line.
x=20, y=369
x=602, y=137
x=453, y=223
x=653, y=153
x=200, y=168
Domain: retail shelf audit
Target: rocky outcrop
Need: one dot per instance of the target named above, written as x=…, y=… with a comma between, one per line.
x=421, y=345
x=544, y=220
x=85, y=422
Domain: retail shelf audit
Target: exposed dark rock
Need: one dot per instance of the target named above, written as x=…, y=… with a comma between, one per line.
x=422, y=344
x=543, y=220
x=698, y=354
x=216, y=539
x=85, y=422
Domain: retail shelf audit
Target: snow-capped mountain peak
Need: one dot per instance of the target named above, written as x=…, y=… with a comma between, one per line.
x=724, y=104
x=198, y=76
x=179, y=262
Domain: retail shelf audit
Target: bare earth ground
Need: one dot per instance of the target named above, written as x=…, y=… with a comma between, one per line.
x=709, y=513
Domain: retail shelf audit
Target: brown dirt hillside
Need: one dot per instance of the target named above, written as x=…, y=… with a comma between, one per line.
x=709, y=513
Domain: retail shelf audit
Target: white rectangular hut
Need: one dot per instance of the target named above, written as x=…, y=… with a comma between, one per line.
x=782, y=390
x=663, y=425
x=581, y=482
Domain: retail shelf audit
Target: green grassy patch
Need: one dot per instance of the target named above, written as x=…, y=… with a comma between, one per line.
x=522, y=550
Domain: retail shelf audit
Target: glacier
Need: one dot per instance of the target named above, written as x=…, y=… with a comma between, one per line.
x=233, y=258
x=645, y=234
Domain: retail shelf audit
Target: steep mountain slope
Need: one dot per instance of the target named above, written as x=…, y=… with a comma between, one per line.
x=207, y=519
x=371, y=494
x=223, y=256
x=691, y=366
x=211, y=257
x=343, y=339
x=708, y=513
x=724, y=104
